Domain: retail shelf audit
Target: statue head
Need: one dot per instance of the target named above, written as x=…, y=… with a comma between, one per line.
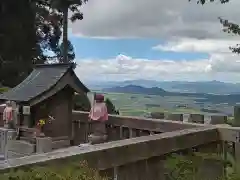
x=99, y=98
x=8, y=104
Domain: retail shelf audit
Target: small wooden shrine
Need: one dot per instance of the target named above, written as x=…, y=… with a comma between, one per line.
x=47, y=91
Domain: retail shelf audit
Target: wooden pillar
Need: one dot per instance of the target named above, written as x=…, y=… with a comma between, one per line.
x=144, y=133
x=125, y=133
x=156, y=169
x=108, y=173
x=157, y=115
x=211, y=169
x=216, y=119
x=115, y=173
x=212, y=165
x=175, y=117
x=236, y=121
x=196, y=118
x=132, y=133
x=186, y=117
x=113, y=133
x=133, y=171
x=121, y=132
x=80, y=132
x=237, y=155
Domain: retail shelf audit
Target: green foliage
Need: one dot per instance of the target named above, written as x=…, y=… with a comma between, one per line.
x=205, y=1
x=32, y=28
x=81, y=103
x=18, y=50
x=3, y=89
x=186, y=167
x=66, y=53
x=182, y=167
x=68, y=172
x=72, y=5
x=110, y=107
x=70, y=52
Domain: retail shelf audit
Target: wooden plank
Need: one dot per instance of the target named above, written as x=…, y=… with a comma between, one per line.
x=141, y=123
x=231, y=134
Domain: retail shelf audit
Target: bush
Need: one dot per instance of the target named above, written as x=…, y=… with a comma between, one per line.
x=186, y=167
x=81, y=103
x=110, y=107
x=3, y=89
x=70, y=172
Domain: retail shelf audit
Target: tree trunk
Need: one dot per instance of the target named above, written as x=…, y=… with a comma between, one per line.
x=65, y=35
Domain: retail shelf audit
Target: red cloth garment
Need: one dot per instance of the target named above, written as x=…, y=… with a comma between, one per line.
x=8, y=114
x=99, y=97
x=99, y=112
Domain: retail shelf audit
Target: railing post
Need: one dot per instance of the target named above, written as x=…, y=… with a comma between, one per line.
x=115, y=173
x=132, y=133
x=237, y=155
x=121, y=132
x=212, y=165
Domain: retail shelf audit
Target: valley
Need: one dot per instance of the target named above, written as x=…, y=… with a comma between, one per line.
x=131, y=104
x=141, y=97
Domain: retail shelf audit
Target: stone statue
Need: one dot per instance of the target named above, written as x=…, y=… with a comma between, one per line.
x=8, y=115
x=98, y=116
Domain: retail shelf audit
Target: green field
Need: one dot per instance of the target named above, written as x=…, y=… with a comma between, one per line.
x=140, y=105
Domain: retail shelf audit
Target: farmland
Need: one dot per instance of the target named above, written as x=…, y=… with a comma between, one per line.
x=142, y=105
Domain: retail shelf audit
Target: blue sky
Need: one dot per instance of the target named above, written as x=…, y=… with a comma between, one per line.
x=142, y=58
x=136, y=48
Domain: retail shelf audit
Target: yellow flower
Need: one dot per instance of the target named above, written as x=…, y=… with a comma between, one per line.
x=42, y=122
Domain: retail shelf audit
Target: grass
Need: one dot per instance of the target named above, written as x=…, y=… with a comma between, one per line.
x=68, y=171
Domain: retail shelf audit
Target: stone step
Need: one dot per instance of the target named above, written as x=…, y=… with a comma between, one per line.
x=31, y=140
x=21, y=147
x=27, y=132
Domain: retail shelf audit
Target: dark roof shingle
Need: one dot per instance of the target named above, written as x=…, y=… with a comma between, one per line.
x=42, y=78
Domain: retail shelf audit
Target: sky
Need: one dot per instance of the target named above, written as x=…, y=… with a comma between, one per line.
x=163, y=40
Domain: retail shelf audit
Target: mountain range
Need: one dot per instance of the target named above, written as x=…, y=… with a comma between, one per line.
x=231, y=99
x=210, y=87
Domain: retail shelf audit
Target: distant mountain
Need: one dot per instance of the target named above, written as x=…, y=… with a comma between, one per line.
x=137, y=90
x=213, y=87
x=231, y=99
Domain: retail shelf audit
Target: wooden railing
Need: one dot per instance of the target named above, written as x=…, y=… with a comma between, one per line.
x=137, y=151
x=137, y=158
x=124, y=127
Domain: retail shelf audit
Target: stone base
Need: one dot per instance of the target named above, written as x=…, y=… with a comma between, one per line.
x=43, y=144
x=97, y=139
x=19, y=148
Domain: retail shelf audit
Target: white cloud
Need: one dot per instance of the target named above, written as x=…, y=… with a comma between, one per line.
x=224, y=67
x=196, y=45
x=154, y=18
x=186, y=27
